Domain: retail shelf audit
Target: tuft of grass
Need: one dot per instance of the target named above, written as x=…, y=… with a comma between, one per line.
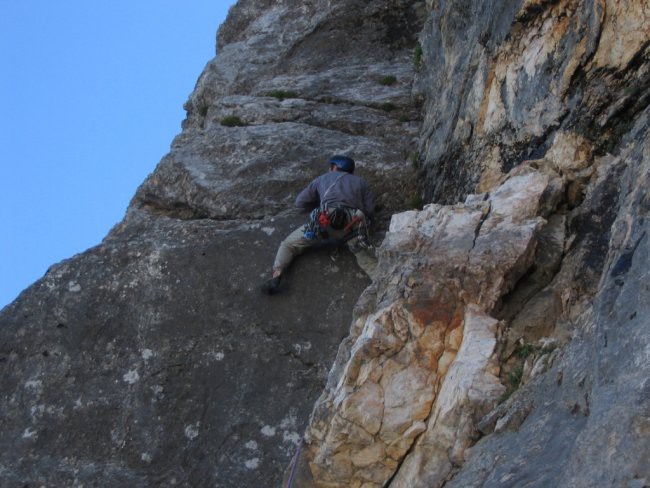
x=513, y=381
x=387, y=80
x=630, y=91
x=387, y=107
x=417, y=202
x=233, y=121
x=415, y=160
x=514, y=377
x=524, y=350
x=418, y=57
x=418, y=100
x=282, y=94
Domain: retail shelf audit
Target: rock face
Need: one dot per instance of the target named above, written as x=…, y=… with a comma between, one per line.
x=540, y=304
x=302, y=80
x=144, y=362
x=505, y=338
x=153, y=359
x=422, y=362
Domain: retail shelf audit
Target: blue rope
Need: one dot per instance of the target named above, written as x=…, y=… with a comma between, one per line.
x=294, y=464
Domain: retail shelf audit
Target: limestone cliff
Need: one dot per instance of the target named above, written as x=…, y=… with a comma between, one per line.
x=505, y=338
x=524, y=281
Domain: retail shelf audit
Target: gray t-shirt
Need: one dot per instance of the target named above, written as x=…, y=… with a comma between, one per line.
x=337, y=187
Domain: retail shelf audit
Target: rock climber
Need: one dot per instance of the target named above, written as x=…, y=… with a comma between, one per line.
x=341, y=207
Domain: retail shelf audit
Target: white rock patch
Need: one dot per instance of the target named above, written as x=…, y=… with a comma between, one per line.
x=306, y=346
x=290, y=436
x=192, y=431
x=288, y=421
x=252, y=463
x=131, y=377
x=37, y=410
x=74, y=287
x=29, y=434
x=217, y=356
x=34, y=385
x=268, y=431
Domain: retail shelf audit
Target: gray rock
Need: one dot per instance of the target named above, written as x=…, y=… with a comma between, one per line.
x=152, y=359
x=590, y=422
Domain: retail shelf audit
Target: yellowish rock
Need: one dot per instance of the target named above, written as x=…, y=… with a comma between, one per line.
x=626, y=31
x=365, y=407
x=492, y=174
x=454, y=339
x=370, y=455
x=422, y=367
x=445, y=361
x=570, y=153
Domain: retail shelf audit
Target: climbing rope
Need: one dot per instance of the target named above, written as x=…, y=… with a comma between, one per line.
x=294, y=465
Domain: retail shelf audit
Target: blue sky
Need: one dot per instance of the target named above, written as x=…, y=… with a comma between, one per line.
x=91, y=95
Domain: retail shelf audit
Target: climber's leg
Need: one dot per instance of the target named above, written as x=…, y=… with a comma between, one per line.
x=294, y=245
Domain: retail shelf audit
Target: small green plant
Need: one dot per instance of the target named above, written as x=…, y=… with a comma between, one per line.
x=387, y=107
x=418, y=60
x=513, y=380
x=415, y=160
x=232, y=121
x=514, y=377
x=387, y=80
x=524, y=350
x=203, y=110
x=417, y=202
x=404, y=118
x=282, y=94
x=630, y=91
x=418, y=100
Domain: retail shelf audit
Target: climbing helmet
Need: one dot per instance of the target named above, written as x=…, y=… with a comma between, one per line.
x=343, y=163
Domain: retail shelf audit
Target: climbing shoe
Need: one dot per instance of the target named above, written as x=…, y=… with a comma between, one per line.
x=271, y=286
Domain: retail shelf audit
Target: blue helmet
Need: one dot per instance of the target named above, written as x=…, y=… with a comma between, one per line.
x=343, y=163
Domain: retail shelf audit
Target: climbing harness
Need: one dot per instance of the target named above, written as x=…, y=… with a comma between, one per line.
x=319, y=218
x=339, y=217
x=357, y=230
x=332, y=217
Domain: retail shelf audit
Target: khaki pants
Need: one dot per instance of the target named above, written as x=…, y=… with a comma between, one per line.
x=295, y=244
